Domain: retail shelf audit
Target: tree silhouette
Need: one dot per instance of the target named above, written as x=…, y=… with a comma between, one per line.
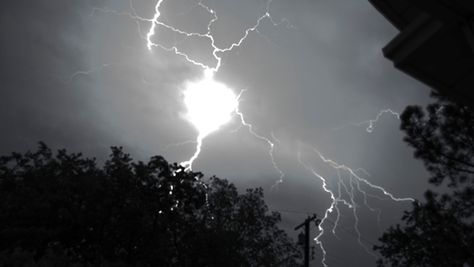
x=439, y=231
x=63, y=210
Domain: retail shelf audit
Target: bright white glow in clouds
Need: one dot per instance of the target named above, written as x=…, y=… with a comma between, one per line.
x=209, y=104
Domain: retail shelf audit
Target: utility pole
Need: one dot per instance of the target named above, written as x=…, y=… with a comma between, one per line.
x=306, y=236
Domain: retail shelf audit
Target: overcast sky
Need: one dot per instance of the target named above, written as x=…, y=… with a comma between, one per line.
x=78, y=75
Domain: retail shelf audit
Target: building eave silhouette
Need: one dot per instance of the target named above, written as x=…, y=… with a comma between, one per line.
x=435, y=44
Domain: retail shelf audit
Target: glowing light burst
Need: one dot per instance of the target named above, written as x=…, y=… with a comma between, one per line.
x=208, y=71
x=211, y=104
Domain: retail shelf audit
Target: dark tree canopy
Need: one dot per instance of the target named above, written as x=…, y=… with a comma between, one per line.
x=444, y=139
x=440, y=230
x=63, y=210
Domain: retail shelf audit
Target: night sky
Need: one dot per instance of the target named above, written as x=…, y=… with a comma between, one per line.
x=79, y=75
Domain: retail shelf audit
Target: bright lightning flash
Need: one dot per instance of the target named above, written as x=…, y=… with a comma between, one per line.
x=210, y=105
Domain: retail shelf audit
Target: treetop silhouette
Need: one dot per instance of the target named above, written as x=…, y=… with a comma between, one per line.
x=63, y=210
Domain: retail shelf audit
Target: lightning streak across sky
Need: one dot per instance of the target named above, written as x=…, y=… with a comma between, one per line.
x=354, y=178
x=371, y=123
x=209, y=72
x=270, y=143
x=212, y=104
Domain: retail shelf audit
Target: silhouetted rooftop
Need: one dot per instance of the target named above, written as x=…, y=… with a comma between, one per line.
x=435, y=44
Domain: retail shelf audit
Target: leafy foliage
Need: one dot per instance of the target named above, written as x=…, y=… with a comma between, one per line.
x=443, y=139
x=439, y=231
x=63, y=210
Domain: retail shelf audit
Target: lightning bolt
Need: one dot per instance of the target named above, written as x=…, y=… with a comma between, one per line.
x=372, y=122
x=354, y=179
x=356, y=183
x=266, y=140
x=216, y=51
x=189, y=163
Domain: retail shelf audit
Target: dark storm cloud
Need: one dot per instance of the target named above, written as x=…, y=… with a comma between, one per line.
x=42, y=43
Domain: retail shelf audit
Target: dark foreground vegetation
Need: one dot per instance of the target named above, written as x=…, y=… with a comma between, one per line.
x=438, y=231
x=60, y=209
